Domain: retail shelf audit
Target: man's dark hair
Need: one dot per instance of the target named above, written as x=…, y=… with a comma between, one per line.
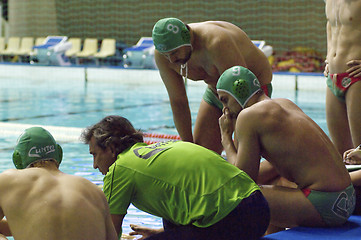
x=113, y=131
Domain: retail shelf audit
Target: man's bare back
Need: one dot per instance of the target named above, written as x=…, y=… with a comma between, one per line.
x=48, y=204
x=292, y=142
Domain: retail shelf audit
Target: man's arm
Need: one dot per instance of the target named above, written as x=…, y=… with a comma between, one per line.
x=356, y=178
x=4, y=228
x=328, y=32
x=174, y=84
x=267, y=173
x=246, y=155
x=112, y=234
x=144, y=231
x=226, y=124
x=118, y=221
x=248, y=149
x=352, y=156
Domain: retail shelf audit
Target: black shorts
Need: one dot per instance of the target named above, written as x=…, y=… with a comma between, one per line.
x=249, y=220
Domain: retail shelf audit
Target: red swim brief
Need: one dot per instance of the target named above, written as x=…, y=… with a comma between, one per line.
x=339, y=83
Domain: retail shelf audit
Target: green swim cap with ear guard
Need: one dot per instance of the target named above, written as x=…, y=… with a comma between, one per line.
x=240, y=83
x=35, y=144
x=169, y=34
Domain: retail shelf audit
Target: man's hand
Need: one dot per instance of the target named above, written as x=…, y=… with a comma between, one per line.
x=352, y=156
x=226, y=123
x=354, y=69
x=326, y=71
x=144, y=231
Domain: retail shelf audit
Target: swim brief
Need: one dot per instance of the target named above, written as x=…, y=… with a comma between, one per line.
x=339, y=83
x=211, y=97
x=334, y=207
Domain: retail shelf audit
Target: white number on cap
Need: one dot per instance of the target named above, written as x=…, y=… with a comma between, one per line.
x=236, y=71
x=172, y=28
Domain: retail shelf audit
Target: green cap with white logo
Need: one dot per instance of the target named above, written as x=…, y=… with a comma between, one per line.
x=35, y=144
x=169, y=34
x=240, y=83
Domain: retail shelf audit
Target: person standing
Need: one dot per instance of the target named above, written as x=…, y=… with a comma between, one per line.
x=343, y=72
x=202, y=51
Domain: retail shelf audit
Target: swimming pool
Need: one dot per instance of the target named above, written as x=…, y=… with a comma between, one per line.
x=67, y=100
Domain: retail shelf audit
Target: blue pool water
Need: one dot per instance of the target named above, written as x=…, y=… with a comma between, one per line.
x=79, y=103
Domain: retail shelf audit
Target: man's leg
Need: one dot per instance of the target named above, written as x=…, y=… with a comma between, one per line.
x=290, y=208
x=206, y=129
x=353, y=100
x=337, y=122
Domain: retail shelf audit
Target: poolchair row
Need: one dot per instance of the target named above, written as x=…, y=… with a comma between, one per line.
x=89, y=49
x=16, y=46
x=24, y=47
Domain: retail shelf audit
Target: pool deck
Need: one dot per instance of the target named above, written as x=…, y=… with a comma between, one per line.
x=281, y=80
x=350, y=230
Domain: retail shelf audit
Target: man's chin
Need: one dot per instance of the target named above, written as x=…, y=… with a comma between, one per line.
x=181, y=62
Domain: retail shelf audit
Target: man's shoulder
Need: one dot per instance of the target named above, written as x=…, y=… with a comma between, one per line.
x=262, y=106
x=217, y=36
x=273, y=103
x=207, y=24
x=15, y=178
x=9, y=173
x=77, y=179
x=80, y=184
x=19, y=173
x=263, y=109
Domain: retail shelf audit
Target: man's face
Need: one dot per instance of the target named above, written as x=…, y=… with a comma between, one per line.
x=102, y=159
x=230, y=103
x=179, y=56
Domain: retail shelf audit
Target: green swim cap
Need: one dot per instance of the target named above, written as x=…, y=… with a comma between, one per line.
x=35, y=144
x=240, y=83
x=169, y=34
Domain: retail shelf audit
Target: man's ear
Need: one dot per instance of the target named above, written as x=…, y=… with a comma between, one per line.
x=112, y=149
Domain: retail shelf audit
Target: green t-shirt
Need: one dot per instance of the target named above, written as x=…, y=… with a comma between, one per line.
x=179, y=181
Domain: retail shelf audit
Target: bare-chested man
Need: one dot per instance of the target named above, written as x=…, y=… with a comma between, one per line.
x=41, y=202
x=278, y=130
x=343, y=70
x=202, y=51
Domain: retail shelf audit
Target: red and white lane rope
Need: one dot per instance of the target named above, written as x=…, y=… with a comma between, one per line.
x=150, y=138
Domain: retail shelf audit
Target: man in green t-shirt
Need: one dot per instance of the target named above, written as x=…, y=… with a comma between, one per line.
x=198, y=194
